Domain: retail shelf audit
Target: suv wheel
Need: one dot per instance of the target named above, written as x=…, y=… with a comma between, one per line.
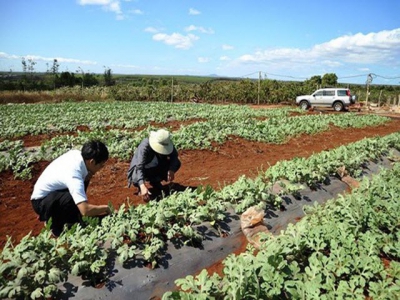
x=304, y=105
x=338, y=106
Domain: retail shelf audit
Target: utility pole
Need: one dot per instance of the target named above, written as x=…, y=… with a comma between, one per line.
x=379, y=101
x=80, y=69
x=369, y=80
x=172, y=90
x=259, y=87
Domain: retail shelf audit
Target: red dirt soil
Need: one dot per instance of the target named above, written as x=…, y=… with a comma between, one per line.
x=199, y=167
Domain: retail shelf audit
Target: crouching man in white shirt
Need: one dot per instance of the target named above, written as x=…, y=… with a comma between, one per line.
x=60, y=191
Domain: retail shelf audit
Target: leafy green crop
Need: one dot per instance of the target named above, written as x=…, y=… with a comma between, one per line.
x=335, y=252
x=116, y=124
x=141, y=232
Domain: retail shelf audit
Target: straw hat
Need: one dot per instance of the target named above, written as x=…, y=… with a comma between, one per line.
x=160, y=141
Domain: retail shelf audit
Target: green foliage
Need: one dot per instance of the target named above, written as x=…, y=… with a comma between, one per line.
x=327, y=255
x=317, y=167
x=216, y=125
x=33, y=267
x=67, y=79
x=293, y=265
x=177, y=88
x=17, y=159
x=329, y=80
x=108, y=78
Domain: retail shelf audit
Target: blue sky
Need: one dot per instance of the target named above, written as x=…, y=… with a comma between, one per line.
x=282, y=39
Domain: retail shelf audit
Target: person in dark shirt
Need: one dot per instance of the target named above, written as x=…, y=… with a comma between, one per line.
x=155, y=160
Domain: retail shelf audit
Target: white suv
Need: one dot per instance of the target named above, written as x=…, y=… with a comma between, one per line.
x=338, y=98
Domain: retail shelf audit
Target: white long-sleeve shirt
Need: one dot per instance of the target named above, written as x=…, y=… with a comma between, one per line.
x=66, y=172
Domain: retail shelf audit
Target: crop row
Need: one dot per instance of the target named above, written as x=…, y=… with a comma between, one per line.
x=20, y=120
x=35, y=266
x=278, y=128
x=337, y=251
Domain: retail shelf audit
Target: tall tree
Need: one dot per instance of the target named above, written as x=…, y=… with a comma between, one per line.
x=54, y=71
x=108, y=80
x=24, y=65
x=67, y=79
x=23, y=82
x=329, y=80
x=31, y=66
x=314, y=82
x=90, y=80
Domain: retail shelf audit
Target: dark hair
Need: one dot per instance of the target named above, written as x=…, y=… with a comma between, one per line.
x=95, y=150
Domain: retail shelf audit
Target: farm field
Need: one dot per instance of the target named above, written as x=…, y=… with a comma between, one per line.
x=242, y=144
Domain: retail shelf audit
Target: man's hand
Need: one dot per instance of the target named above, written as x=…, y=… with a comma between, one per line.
x=91, y=210
x=170, y=176
x=144, y=192
x=108, y=210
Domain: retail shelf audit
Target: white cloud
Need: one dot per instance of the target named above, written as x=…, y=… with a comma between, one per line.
x=227, y=47
x=94, y=2
x=224, y=58
x=108, y=5
x=193, y=11
x=62, y=60
x=371, y=48
x=331, y=63
x=136, y=12
x=9, y=56
x=47, y=59
x=203, y=59
x=363, y=48
x=191, y=28
x=176, y=39
x=125, y=66
x=199, y=28
x=151, y=29
x=114, y=6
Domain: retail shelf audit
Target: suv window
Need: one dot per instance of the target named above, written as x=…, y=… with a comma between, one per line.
x=329, y=93
x=342, y=93
x=319, y=93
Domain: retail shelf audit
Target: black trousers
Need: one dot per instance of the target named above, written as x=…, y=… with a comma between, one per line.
x=60, y=207
x=153, y=175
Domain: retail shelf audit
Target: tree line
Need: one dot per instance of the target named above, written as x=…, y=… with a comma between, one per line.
x=30, y=80
x=168, y=88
